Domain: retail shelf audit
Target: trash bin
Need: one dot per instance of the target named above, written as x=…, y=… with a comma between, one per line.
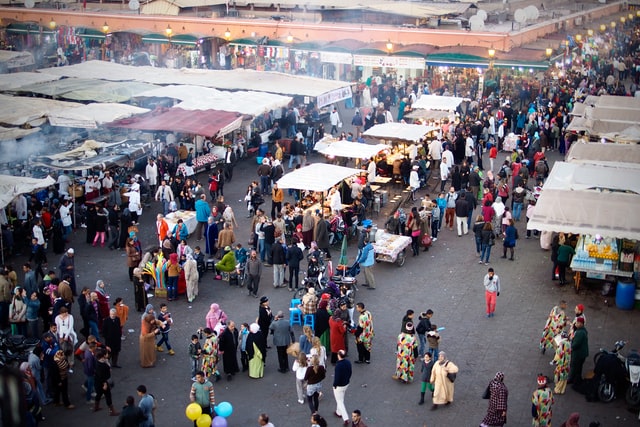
x=264, y=149
x=625, y=294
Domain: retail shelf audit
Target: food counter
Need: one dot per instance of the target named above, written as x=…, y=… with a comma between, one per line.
x=188, y=218
x=391, y=247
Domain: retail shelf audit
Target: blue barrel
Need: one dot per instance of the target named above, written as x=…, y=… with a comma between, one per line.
x=264, y=148
x=625, y=294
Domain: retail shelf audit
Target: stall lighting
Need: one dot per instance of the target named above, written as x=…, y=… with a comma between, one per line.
x=52, y=24
x=548, y=51
x=168, y=31
x=623, y=20
x=603, y=28
x=289, y=38
x=638, y=13
x=590, y=32
x=389, y=46
x=613, y=24
x=578, y=38
x=227, y=34
x=491, y=52
x=630, y=16
x=105, y=27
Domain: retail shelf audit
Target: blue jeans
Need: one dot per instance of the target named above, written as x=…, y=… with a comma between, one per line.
x=172, y=287
x=517, y=211
x=165, y=206
x=434, y=353
x=478, y=244
x=67, y=231
x=486, y=253
x=261, y=249
x=423, y=343
x=265, y=182
x=88, y=383
x=164, y=340
x=93, y=329
x=294, y=158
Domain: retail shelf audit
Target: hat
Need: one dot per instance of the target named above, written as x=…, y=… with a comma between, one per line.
x=580, y=308
x=367, y=223
x=227, y=248
x=254, y=327
x=299, y=226
x=416, y=167
x=70, y=251
x=542, y=380
x=325, y=296
x=312, y=291
x=137, y=176
x=135, y=187
x=263, y=299
x=342, y=301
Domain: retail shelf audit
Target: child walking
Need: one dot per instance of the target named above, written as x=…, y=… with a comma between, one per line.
x=165, y=317
x=195, y=353
x=427, y=366
x=433, y=338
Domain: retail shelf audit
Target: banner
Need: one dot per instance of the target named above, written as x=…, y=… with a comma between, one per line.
x=336, y=57
x=333, y=96
x=389, y=61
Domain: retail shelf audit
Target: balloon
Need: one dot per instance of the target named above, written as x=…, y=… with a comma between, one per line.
x=219, y=422
x=224, y=409
x=204, y=420
x=193, y=411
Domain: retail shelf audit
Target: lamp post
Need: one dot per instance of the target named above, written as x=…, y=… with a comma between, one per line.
x=227, y=35
x=105, y=27
x=389, y=47
x=52, y=24
x=169, y=32
x=289, y=38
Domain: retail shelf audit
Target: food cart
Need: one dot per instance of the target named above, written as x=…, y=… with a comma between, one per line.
x=391, y=247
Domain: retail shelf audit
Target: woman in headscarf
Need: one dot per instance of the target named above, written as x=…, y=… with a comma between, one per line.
x=337, y=331
x=139, y=291
x=133, y=247
x=148, y=331
x=103, y=301
x=256, y=351
x=497, y=410
x=406, y=353
x=215, y=316
x=322, y=322
x=443, y=386
x=211, y=236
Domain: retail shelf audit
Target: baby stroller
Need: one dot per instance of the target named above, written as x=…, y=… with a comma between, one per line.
x=336, y=230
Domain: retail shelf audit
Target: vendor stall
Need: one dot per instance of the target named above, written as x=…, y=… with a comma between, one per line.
x=391, y=247
x=316, y=177
x=187, y=217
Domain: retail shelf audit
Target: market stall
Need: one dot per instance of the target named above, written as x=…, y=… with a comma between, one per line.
x=316, y=177
x=391, y=247
x=599, y=204
x=347, y=149
x=187, y=217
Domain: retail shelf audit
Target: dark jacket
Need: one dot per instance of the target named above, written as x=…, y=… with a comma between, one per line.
x=278, y=255
x=580, y=344
x=103, y=373
x=321, y=234
x=342, y=374
x=282, y=333
x=294, y=256
x=131, y=416
x=462, y=207
x=112, y=334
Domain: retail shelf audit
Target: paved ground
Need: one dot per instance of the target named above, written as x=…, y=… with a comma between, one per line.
x=446, y=279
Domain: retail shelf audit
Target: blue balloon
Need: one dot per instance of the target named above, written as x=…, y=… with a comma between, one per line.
x=224, y=409
x=219, y=422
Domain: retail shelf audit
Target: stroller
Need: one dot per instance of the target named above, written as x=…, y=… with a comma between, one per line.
x=346, y=279
x=336, y=230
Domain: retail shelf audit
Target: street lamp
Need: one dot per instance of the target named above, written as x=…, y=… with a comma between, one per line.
x=548, y=52
x=52, y=24
x=578, y=38
x=623, y=20
x=613, y=25
x=289, y=38
x=389, y=47
x=168, y=31
x=105, y=27
x=227, y=34
x=590, y=32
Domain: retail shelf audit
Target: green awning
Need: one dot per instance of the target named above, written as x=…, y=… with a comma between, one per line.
x=306, y=46
x=457, y=60
x=90, y=33
x=181, y=39
x=24, y=28
x=155, y=38
x=537, y=65
x=369, y=51
x=244, y=42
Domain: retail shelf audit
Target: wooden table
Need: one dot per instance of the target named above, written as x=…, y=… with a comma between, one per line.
x=382, y=180
x=374, y=188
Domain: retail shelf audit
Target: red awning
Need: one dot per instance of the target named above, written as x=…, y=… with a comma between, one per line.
x=197, y=122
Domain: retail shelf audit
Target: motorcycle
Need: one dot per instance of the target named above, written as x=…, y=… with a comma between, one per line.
x=15, y=349
x=615, y=371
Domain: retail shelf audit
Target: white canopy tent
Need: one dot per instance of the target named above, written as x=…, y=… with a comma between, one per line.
x=92, y=115
x=611, y=214
x=626, y=155
x=399, y=131
x=18, y=110
x=25, y=78
x=10, y=134
x=435, y=102
x=351, y=150
x=316, y=177
x=325, y=91
x=204, y=98
x=12, y=186
x=580, y=177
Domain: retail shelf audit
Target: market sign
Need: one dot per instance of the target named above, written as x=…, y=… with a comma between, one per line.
x=333, y=96
x=389, y=61
x=336, y=57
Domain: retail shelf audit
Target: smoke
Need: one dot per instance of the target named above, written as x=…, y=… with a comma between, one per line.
x=12, y=151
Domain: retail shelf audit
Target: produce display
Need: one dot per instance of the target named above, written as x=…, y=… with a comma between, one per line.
x=390, y=245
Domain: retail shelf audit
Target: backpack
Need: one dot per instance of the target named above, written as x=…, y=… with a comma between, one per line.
x=503, y=172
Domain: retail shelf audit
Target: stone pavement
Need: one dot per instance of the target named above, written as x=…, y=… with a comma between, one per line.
x=447, y=279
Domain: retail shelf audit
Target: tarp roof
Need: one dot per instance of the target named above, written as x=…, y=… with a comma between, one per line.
x=429, y=114
x=198, y=122
x=316, y=177
x=10, y=134
x=617, y=115
x=90, y=116
x=25, y=78
x=12, y=186
x=613, y=101
x=88, y=89
x=399, y=131
x=18, y=110
x=440, y=103
x=579, y=177
x=611, y=214
x=597, y=127
x=11, y=60
x=627, y=155
x=239, y=79
x=202, y=98
x=352, y=150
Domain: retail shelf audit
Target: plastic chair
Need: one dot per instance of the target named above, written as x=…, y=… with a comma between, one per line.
x=310, y=320
x=295, y=314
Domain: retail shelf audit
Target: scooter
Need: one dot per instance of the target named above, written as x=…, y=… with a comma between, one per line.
x=613, y=371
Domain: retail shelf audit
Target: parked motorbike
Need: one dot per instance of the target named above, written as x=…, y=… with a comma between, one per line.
x=615, y=372
x=15, y=349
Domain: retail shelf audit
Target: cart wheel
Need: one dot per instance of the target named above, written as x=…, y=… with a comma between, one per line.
x=401, y=259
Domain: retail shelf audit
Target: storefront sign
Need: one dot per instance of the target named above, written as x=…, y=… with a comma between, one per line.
x=389, y=61
x=333, y=96
x=336, y=57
